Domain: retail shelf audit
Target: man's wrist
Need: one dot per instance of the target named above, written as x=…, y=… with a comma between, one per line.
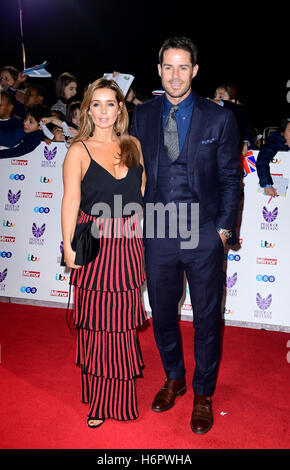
x=225, y=232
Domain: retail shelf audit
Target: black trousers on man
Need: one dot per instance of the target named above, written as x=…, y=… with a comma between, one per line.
x=166, y=263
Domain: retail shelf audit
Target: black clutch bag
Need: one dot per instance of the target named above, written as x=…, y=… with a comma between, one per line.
x=84, y=244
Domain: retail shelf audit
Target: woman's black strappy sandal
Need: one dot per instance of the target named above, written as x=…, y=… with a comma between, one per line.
x=95, y=425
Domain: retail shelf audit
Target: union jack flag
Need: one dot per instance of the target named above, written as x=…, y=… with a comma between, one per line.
x=249, y=163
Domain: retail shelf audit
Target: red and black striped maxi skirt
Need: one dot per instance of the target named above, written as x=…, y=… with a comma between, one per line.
x=108, y=308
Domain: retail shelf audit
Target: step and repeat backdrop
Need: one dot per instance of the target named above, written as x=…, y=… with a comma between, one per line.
x=256, y=270
x=30, y=235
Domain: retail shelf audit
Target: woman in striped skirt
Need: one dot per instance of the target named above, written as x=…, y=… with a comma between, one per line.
x=104, y=180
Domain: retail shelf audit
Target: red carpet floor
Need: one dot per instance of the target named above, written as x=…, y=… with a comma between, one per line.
x=40, y=391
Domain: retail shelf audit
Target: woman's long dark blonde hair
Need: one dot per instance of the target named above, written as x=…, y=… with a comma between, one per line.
x=129, y=153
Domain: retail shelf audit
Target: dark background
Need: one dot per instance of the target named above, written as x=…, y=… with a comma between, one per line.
x=89, y=37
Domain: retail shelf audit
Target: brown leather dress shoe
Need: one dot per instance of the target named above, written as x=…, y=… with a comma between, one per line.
x=165, y=398
x=202, y=417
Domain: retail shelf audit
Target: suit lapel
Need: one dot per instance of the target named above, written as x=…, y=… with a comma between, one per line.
x=197, y=125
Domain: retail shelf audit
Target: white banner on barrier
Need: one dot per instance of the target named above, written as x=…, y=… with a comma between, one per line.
x=256, y=271
x=30, y=235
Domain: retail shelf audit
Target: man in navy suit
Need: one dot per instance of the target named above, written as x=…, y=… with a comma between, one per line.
x=190, y=148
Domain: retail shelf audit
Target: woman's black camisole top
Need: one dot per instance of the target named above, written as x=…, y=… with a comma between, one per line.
x=100, y=186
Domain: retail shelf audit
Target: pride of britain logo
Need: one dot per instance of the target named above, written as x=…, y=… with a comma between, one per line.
x=264, y=304
x=49, y=156
x=269, y=217
x=58, y=259
x=3, y=275
x=230, y=283
x=13, y=199
x=37, y=233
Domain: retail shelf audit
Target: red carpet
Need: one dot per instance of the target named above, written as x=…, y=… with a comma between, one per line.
x=40, y=391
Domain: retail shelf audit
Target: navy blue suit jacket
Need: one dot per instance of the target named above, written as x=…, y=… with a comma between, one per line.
x=275, y=143
x=213, y=159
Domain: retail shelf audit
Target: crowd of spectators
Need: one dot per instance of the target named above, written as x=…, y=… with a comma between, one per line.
x=31, y=112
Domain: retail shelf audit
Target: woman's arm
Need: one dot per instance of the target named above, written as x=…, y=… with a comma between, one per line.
x=11, y=138
x=53, y=120
x=143, y=174
x=138, y=144
x=72, y=176
x=265, y=156
x=275, y=143
x=28, y=144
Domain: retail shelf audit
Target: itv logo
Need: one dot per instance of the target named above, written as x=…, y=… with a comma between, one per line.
x=33, y=258
x=45, y=179
x=61, y=277
x=266, y=244
x=6, y=223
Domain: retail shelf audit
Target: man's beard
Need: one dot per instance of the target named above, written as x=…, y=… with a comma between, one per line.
x=177, y=93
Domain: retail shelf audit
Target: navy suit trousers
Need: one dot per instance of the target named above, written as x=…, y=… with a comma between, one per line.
x=166, y=264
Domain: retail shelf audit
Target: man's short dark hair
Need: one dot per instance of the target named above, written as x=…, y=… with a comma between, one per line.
x=38, y=112
x=41, y=90
x=10, y=97
x=179, y=43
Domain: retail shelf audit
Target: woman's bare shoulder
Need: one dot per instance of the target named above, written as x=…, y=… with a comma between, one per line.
x=76, y=150
x=76, y=147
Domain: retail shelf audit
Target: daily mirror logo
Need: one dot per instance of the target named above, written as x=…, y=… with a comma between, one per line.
x=34, y=274
x=16, y=161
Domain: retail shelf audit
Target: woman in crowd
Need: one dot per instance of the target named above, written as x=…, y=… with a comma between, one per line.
x=102, y=162
x=276, y=142
x=10, y=78
x=66, y=89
